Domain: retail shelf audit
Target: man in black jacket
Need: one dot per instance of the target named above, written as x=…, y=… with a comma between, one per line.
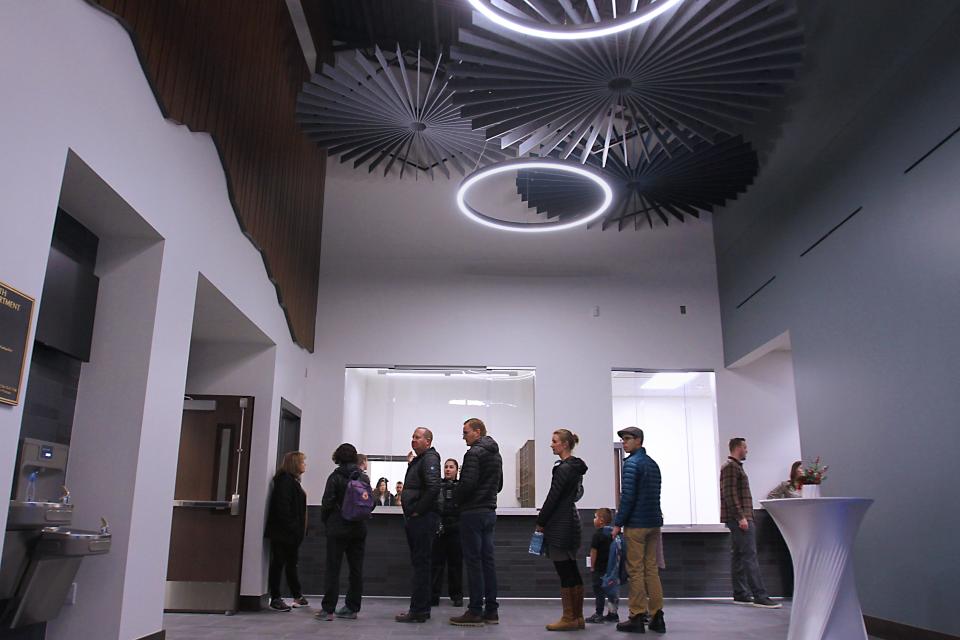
x=421, y=491
x=481, y=479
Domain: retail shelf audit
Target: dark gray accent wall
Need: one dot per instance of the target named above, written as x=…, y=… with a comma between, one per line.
x=698, y=564
x=872, y=304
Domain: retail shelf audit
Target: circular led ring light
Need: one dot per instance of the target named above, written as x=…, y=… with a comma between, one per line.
x=532, y=163
x=573, y=32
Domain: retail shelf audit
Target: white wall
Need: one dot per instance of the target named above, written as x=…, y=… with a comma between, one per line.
x=759, y=403
x=72, y=80
x=546, y=323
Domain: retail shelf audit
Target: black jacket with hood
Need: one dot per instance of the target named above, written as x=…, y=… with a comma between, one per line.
x=421, y=485
x=481, y=477
x=286, y=517
x=449, y=509
x=332, y=502
x=558, y=515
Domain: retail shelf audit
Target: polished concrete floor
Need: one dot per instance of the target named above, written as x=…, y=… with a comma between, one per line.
x=686, y=619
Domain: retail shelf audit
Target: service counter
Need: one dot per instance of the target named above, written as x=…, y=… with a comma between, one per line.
x=697, y=557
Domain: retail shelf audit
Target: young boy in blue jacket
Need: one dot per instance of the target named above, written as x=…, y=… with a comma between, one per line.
x=599, y=555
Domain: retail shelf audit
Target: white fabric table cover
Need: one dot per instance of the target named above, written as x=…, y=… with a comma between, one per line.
x=820, y=534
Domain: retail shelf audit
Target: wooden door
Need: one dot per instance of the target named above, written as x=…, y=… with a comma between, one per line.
x=206, y=539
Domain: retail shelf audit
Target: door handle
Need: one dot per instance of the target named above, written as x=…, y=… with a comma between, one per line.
x=203, y=504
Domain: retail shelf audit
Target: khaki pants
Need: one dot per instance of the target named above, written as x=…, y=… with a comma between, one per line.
x=642, y=570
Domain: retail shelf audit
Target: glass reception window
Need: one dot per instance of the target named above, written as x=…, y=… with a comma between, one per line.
x=383, y=406
x=678, y=415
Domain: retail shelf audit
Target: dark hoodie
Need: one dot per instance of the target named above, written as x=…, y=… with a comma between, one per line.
x=558, y=515
x=332, y=501
x=481, y=477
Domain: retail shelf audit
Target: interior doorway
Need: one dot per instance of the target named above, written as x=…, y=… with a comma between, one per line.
x=209, y=507
x=216, y=542
x=288, y=438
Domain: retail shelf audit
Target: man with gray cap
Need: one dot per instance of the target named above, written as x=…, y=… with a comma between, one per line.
x=640, y=518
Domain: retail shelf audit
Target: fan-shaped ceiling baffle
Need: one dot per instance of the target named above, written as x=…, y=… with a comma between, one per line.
x=562, y=20
x=650, y=192
x=393, y=113
x=696, y=73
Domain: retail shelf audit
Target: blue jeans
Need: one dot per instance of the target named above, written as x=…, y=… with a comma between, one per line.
x=600, y=596
x=476, y=538
x=744, y=568
x=421, y=531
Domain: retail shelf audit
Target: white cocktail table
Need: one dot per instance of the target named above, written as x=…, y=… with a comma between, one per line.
x=820, y=534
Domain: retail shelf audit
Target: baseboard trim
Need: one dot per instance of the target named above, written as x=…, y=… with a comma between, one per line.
x=252, y=603
x=156, y=635
x=890, y=630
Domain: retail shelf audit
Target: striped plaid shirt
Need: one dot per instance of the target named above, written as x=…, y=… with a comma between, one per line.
x=736, y=502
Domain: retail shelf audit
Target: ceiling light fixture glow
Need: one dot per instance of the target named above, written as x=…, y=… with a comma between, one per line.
x=665, y=381
x=532, y=163
x=573, y=32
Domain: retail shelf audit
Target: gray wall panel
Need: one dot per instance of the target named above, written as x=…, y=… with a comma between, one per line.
x=872, y=313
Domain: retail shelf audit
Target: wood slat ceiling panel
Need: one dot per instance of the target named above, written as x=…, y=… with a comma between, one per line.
x=234, y=70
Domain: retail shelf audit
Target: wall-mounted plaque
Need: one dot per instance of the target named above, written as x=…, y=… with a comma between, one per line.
x=16, y=313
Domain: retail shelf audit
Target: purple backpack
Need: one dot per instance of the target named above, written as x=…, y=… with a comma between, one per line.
x=358, y=499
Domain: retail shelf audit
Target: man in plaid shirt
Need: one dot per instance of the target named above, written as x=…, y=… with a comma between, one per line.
x=736, y=511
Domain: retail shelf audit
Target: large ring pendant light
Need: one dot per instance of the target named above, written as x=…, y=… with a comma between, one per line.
x=533, y=163
x=508, y=20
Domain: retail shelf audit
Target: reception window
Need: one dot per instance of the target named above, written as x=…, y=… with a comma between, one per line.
x=678, y=414
x=383, y=406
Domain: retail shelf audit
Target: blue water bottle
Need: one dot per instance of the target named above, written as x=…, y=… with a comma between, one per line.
x=536, y=544
x=32, y=486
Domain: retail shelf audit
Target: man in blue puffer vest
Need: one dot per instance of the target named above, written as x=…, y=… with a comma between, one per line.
x=640, y=518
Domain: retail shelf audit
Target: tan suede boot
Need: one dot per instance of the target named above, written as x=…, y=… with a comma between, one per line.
x=568, y=622
x=578, y=606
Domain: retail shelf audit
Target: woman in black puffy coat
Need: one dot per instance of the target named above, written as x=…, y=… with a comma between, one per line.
x=286, y=526
x=560, y=523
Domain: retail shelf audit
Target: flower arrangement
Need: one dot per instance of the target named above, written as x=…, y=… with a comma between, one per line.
x=814, y=473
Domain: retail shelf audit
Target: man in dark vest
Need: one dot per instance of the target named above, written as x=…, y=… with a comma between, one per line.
x=421, y=490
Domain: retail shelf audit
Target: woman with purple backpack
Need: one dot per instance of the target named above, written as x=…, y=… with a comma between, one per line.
x=346, y=534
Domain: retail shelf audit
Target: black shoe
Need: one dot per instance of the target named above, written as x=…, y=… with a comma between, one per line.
x=345, y=613
x=633, y=624
x=657, y=624
x=277, y=604
x=457, y=602
x=596, y=619
x=468, y=619
x=491, y=617
x=766, y=603
x=407, y=616
x=742, y=600
x=612, y=617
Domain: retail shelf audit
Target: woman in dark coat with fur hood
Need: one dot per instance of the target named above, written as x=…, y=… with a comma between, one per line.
x=560, y=523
